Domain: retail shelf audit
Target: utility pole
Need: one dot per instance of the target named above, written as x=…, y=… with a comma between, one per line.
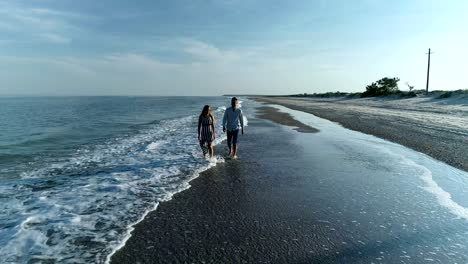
x=428, y=68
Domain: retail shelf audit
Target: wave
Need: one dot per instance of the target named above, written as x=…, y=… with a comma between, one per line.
x=443, y=197
x=82, y=208
x=88, y=194
x=4, y=158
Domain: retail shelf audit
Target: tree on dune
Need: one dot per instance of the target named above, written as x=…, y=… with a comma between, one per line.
x=384, y=86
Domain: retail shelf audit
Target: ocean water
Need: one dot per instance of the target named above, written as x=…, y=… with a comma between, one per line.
x=77, y=172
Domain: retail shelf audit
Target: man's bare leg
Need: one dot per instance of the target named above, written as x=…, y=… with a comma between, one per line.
x=234, y=152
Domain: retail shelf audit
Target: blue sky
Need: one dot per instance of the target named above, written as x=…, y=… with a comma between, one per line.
x=110, y=47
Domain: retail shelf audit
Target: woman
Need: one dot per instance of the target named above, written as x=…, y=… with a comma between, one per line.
x=206, y=130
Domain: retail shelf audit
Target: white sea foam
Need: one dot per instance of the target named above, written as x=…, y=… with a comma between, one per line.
x=83, y=208
x=128, y=233
x=153, y=146
x=413, y=162
x=443, y=197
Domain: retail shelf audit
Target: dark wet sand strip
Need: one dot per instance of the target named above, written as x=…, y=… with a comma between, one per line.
x=273, y=114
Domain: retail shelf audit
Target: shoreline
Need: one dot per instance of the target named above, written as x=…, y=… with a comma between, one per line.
x=427, y=137
x=291, y=204
x=281, y=118
x=129, y=233
x=212, y=221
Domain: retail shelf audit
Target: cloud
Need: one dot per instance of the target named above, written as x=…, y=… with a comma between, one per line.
x=52, y=37
x=201, y=68
x=63, y=64
x=202, y=50
x=7, y=26
x=210, y=71
x=46, y=24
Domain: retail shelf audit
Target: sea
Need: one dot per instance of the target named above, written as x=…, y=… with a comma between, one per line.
x=76, y=173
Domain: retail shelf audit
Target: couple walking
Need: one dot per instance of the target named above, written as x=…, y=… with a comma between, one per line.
x=232, y=122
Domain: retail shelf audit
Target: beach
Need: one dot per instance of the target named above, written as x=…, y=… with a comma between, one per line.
x=77, y=172
x=241, y=211
x=435, y=127
x=350, y=117
x=320, y=196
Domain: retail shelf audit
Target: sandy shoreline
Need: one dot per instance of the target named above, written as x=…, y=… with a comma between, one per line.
x=237, y=212
x=286, y=201
x=440, y=131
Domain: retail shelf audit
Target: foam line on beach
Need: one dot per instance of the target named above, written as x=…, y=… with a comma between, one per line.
x=212, y=162
x=444, y=198
x=395, y=153
x=128, y=234
x=183, y=187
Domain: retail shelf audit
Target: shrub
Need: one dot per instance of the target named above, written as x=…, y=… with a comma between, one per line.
x=384, y=86
x=410, y=87
x=445, y=95
x=354, y=95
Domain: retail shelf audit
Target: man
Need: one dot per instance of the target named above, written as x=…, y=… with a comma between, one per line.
x=233, y=121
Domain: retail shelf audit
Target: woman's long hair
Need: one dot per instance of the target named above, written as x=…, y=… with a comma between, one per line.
x=206, y=111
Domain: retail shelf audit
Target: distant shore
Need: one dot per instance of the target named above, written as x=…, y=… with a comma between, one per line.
x=436, y=94
x=438, y=129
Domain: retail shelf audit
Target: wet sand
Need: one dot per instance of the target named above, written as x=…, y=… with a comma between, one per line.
x=281, y=118
x=251, y=210
x=286, y=201
x=432, y=133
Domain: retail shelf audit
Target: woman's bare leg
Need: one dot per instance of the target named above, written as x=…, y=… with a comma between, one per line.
x=210, y=150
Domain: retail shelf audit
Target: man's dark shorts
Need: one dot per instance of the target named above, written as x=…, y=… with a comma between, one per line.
x=232, y=135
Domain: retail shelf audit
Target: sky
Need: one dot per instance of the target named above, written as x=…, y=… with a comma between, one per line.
x=215, y=47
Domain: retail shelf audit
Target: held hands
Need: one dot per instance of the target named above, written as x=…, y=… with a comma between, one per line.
x=224, y=130
x=199, y=137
